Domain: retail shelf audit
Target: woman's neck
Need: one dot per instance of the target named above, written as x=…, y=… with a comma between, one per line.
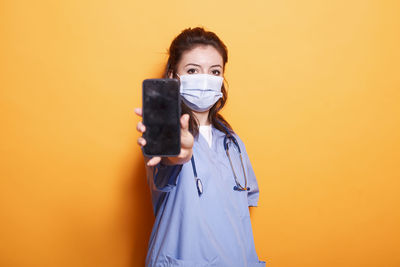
x=202, y=117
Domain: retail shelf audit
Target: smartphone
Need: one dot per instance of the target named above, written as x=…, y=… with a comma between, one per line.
x=161, y=116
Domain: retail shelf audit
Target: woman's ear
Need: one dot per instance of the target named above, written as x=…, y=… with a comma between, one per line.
x=170, y=74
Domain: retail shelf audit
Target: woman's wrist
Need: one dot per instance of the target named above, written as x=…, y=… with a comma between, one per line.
x=184, y=157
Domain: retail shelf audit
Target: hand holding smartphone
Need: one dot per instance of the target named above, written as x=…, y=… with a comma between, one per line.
x=161, y=116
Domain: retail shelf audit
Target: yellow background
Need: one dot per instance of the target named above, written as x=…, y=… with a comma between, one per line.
x=314, y=92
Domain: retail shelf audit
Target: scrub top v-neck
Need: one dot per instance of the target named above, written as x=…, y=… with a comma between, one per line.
x=213, y=229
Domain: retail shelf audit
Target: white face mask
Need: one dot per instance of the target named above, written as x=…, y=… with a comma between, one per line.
x=200, y=91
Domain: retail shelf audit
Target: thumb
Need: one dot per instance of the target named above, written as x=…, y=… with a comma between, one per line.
x=185, y=122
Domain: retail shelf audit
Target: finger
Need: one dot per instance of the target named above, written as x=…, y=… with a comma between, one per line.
x=187, y=141
x=185, y=122
x=141, y=141
x=139, y=111
x=153, y=161
x=140, y=127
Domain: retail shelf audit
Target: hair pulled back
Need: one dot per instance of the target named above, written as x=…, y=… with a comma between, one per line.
x=186, y=41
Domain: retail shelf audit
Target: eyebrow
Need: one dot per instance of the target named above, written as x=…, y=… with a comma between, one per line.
x=197, y=65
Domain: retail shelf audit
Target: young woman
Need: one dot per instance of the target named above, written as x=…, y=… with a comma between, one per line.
x=201, y=197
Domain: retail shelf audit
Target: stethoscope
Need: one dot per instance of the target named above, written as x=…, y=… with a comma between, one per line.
x=229, y=138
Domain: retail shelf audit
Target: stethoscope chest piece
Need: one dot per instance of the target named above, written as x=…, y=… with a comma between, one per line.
x=237, y=188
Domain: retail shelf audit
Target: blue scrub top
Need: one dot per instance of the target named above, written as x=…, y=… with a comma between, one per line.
x=213, y=229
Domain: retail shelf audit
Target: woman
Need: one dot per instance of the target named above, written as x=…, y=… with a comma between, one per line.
x=201, y=197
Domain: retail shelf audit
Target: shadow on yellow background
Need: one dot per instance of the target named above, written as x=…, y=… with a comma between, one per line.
x=314, y=92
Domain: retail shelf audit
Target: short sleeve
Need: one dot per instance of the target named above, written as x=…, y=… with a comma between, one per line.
x=254, y=192
x=163, y=177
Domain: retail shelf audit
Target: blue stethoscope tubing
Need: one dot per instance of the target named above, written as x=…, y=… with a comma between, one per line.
x=238, y=187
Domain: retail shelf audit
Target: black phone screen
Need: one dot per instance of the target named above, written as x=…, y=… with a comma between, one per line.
x=161, y=116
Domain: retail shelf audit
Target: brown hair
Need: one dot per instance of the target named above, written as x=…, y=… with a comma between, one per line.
x=185, y=41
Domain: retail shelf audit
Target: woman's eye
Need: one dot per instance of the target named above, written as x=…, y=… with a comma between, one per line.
x=191, y=71
x=216, y=72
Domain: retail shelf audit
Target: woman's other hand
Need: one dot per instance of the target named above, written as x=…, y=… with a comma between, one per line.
x=186, y=143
